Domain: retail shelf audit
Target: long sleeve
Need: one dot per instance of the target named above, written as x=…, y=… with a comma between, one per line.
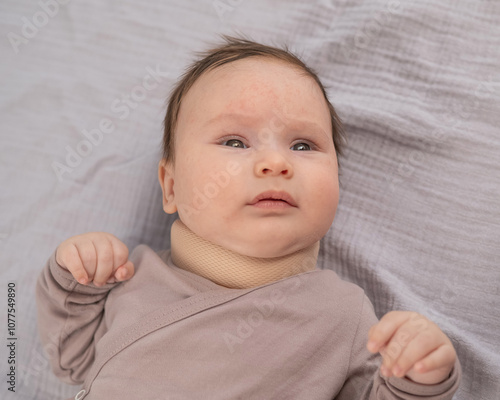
x=70, y=321
x=364, y=380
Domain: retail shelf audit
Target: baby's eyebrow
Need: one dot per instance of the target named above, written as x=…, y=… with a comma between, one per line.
x=230, y=116
x=295, y=125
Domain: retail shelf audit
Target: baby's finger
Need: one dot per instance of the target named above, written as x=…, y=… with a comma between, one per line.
x=421, y=345
x=124, y=272
x=68, y=257
x=414, y=339
x=88, y=257
x=396, y=346
x=443, y=357
x=381, y=333
x=105, y=260
x=120, y=252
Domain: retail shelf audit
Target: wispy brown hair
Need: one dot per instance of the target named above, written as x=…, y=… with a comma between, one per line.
x=232, y=50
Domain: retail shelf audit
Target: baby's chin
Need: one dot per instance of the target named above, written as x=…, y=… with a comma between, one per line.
x=252, y=244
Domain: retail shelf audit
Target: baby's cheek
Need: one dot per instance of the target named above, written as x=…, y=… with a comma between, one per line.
x=208, y=191
x=328, y=197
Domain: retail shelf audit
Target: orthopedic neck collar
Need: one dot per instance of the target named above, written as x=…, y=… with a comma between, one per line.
x=230, y=269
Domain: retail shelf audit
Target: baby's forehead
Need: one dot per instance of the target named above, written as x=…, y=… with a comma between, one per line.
x=254, y=78
x=249, y=67
x=263, y=88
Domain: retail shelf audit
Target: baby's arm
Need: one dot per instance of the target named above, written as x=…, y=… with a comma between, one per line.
x=365, y=379
x=70, y=314
x=412, y=346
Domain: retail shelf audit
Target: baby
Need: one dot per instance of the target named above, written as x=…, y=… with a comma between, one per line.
x=237, y=308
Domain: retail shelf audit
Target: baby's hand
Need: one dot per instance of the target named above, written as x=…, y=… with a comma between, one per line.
x=412, y=346
x=97, y=257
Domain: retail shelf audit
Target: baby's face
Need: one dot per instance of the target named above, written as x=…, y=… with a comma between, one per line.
x=255, y=165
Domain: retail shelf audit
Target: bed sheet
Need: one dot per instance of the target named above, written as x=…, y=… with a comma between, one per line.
x=417, y=85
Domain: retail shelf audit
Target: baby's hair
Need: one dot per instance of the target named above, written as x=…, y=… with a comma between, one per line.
x=236, y=49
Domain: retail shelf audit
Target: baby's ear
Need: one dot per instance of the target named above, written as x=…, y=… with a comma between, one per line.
x=166, y=178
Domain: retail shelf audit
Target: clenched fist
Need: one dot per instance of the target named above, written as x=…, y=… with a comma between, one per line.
x=96, y=257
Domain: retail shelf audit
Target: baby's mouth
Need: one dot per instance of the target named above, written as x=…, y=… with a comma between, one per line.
x=273, y=199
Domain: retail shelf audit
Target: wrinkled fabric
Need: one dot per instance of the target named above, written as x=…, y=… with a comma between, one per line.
x=168, y=333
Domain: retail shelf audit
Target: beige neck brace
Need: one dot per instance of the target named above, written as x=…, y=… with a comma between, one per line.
x=230, y=269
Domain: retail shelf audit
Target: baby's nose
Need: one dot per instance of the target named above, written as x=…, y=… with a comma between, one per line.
x=272, y=163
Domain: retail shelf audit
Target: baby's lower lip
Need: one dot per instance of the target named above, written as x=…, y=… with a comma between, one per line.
x=272, y=204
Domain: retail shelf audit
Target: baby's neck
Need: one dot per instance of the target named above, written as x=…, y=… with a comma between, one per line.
x=233, y=270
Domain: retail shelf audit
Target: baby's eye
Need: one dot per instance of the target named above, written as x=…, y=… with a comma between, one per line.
x=300, y=147
x=234, y=143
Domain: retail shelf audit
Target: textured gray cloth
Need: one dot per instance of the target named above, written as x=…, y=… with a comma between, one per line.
x=416, y=83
